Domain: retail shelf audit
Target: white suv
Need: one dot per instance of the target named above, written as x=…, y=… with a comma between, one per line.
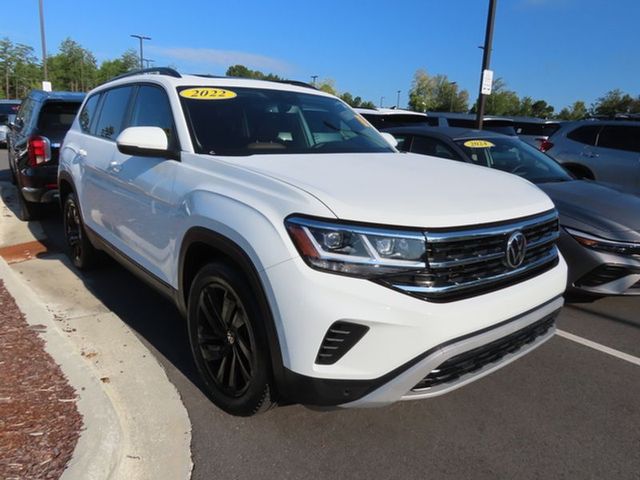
x=313, y=262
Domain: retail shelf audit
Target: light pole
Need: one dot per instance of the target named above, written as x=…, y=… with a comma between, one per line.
x=141, y=38
x=398, y=99
x=313, y=79
x=148, y=61
x=453, y=91
x=44, y=43
x=486, y=60
x=381, y=100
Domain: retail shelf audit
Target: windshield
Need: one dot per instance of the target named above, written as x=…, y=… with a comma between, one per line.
x=514, y=156
x=248, y=121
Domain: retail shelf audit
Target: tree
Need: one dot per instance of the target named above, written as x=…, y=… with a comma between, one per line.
x=244, y=72
x=541, y=109
x=73, y=68
x=436, y=93
x=127, y=62
x=327, y=85
x=577, y=111
x=19, y=69
x=616, y=101
x=502, y=101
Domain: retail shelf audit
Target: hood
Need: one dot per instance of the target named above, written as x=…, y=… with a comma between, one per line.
x=404, y=189
x=596, y=208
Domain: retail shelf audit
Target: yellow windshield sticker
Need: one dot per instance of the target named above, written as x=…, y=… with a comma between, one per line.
x=207, y=93
x=478, y=144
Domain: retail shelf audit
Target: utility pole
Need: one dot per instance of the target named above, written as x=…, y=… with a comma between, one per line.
x=44, y=43
x=486, y=76
x=141, y=38
x=398, y=99
x=453, y=92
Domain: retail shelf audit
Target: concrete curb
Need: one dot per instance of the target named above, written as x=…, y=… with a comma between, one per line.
x=97, y=450
x=135, y=425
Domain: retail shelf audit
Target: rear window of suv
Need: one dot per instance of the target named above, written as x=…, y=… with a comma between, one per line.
x=586, y=135
x=57, y=116
x=245, y=121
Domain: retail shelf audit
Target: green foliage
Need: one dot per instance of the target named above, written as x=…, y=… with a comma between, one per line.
x=73, y=68
x=19, y=70
x=436, y=93
x=244, y=72
x=577, y=111
x=127, y=62
x=616, y=101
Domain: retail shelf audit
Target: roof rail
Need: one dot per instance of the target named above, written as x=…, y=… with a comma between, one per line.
x=157, y=70
x=297, y=83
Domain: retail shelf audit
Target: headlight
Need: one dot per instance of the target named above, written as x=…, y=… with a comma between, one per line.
x=355, y=250
x=603, y=244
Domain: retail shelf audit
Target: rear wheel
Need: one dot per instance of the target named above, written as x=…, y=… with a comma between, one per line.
x=228, y=340
x=82, y=253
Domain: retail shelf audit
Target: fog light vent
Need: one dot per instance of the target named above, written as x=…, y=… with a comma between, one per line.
x=338, y=340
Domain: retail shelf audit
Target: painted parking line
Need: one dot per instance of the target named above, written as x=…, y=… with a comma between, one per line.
x=601, y=348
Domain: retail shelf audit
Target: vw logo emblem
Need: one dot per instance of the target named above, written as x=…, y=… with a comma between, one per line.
x=516, y=249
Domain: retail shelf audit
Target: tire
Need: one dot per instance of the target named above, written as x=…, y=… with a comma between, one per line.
x=228, y=341
x=81, y=252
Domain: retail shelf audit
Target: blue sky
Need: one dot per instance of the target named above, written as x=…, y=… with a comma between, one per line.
x=557, y=50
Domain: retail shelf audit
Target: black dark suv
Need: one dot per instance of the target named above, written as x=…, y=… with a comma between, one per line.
x=33, y=144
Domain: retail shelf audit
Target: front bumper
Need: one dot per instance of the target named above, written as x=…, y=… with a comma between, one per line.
x=599, y=273
x=407, y=337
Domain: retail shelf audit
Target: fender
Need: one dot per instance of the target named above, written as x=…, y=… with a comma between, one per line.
x=231, y=250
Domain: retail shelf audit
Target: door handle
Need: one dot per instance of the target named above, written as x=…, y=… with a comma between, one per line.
x=82, y=152
x=114, y=167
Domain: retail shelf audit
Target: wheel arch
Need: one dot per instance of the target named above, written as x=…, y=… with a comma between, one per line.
x=201, y=245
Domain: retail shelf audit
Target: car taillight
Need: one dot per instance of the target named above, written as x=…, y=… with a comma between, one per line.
x=545, y=145
x=39, y=151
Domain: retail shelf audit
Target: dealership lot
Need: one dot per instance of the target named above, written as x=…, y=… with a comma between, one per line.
x=565, y=411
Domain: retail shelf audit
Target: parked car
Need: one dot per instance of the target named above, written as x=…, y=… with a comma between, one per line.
x=395, y=117
x=600, y=234
x=603, y=150
x=33, y=146
x=468, y=120
x=534, y=130
x=8, y=109
x=312, y=261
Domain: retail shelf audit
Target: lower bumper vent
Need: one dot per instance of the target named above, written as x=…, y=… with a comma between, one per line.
x=338, y=340
x=604, y=274
x=476, y=359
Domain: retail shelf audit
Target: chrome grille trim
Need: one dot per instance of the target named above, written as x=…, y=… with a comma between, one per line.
x=478, y=233
x=553, y=254
x=464, y=263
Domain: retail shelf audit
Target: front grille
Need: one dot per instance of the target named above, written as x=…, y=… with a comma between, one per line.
x=478, y=358
x=467, y=262
x=604, y=274
x=338, y=340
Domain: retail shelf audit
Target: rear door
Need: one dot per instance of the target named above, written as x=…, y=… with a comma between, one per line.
x=618, y=155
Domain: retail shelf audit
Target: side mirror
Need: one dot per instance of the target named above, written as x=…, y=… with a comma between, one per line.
x=391, y=140
x=144, y=142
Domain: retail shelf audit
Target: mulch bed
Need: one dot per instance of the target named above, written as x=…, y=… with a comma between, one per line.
x=39, y=421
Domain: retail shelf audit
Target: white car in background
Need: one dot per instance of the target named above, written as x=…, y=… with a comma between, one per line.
x=312, y=261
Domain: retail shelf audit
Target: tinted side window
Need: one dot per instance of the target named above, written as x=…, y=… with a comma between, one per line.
x=114, y=108
x=25, y=113
x=88, y=112
x=433, y=147
x=152, y=109
x=404, y=142
x=620, y=138
x=586, y=134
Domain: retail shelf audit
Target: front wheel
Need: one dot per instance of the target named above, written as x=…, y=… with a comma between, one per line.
x=228, y=341
x=82, y=253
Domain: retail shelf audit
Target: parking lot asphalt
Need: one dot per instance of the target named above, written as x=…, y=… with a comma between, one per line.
x=564, y=411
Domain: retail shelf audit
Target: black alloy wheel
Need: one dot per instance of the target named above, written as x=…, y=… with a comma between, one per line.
x=225, y=339
x=228, y=340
